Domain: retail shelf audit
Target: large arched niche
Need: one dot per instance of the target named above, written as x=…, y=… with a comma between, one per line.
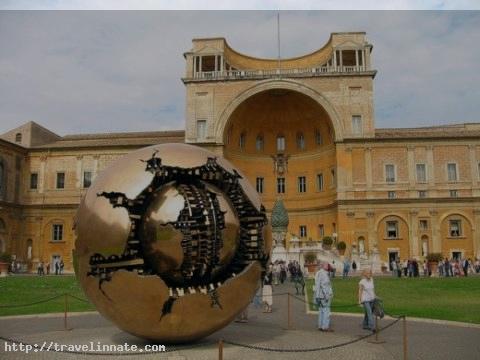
x=272, y=86
x=274, y=113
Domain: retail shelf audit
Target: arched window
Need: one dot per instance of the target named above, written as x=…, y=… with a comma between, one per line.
x=300, y=141
x=318, y=137
x=280, y=143
x=241, y=142
x=259, y=143
x=18, y=137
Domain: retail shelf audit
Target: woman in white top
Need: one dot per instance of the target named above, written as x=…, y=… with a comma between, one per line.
x=366, y=297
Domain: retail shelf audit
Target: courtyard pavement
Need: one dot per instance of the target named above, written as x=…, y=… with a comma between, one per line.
x=425, y=340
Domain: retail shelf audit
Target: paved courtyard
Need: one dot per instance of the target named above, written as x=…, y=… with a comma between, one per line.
x=425, y=340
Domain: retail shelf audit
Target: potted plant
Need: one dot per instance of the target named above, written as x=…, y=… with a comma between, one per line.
x=5, y=261
x=327, y=242
x=433, y=260
x=341, y=247
x=310, y=261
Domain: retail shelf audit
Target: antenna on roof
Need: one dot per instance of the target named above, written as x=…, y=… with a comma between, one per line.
x=278, y=44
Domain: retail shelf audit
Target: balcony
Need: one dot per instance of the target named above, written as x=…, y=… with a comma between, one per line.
x=278, y=73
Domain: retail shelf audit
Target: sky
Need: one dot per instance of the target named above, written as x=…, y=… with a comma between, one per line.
x=113, y=71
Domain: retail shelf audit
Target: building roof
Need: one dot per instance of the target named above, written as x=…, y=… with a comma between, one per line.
x=116, y=139
x=466, y=130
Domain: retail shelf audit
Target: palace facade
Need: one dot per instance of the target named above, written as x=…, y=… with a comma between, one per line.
x=301, y=130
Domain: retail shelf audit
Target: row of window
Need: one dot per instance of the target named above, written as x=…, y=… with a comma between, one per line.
x=421, y=173
x=281, y=141
x=301, y=183
x=60, y=180
x=302, y=230
x=421, y=194
x=392, y=229
x=454, y=228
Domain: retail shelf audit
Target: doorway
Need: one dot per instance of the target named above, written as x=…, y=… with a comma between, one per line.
x=456, y=255
x=392, y=256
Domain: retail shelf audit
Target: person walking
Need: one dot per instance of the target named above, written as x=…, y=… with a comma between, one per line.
x=62, y=265
x=354, y=267
x=267, y=296
x=323, y=297
x=57, y=267
x=346, y=268
x=366, y=298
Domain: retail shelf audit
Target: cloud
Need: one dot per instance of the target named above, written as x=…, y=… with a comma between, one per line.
x=240, y=5
x=120, y=71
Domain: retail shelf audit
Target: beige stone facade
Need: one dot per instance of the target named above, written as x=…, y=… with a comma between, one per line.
x=302, y=129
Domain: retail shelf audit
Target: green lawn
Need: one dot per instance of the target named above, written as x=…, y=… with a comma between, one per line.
x=456, y=299
x=18, y=290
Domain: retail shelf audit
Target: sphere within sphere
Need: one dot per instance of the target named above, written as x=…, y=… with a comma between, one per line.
x=170, y=242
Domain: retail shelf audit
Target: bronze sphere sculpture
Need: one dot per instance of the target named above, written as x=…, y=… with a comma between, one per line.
x=170, y=242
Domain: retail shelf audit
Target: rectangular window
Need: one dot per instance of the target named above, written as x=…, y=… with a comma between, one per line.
x=321, y=231
x=320, y=182
x=60, y=180
x=57, y=232
x=455, y=228
x=318, y=137
x=392, y=195
x=357, y=125
x=281, y=185
x=303, y=231
x=422, y=194
x=452, y=172
x=281, y=143
x=260, y=185
x=201, y=129
x=33, y=181
x=87, y=179
x=423, y=224
x=390, y=173
x=453, y=193
x=302, y=184
x=421, y=173
x=392, y=229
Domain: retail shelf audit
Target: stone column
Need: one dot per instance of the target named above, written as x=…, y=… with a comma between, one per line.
x=476, y=234
x=356, y=60
x=368, y=170
x=42, y=174
x=95, y=165
x=473, y=166
x=413, y=235
x=372, y=232
x=430, y=166
x=78, y=183
x=436, y=237
x=411, y=165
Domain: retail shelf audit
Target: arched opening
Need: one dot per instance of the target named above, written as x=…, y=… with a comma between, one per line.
x=361, y=245
x=292, y=134
x=393, y=235
x=457, y=236
x=296, y=121
x=2, y=245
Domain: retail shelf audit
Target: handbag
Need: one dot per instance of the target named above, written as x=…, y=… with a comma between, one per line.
x=378, y=309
